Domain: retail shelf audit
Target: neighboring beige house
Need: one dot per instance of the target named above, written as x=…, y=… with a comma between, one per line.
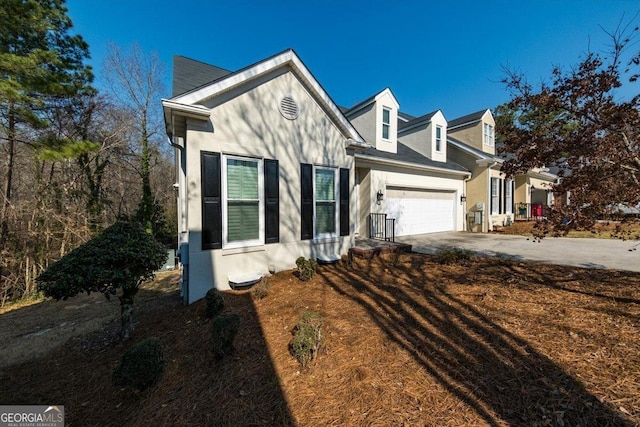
x=266, y=171
x=492, y=200
x=405, y=175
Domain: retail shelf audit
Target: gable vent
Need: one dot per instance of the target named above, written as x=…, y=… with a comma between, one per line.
x=289, y=108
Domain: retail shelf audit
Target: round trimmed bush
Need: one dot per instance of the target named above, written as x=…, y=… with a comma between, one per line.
x=215, y=302
x=223, y=332
x=141, y=365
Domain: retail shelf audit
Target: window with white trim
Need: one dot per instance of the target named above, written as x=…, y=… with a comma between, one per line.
x=243, y=202
x=386, y=122
x=508, y=196
x=495, y=196
x=326, y=202
x=438, y=138
x=488, y=135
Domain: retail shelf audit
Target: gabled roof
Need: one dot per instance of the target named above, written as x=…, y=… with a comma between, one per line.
x=189, y=74
x=474, y=152
x=287, y=58
x=468, y=119
x=426, y=118
x=360, y=105
x=405, y=117
x=408, y=157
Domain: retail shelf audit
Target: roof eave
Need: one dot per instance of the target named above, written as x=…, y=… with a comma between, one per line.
x=287, y=57
x=410, y=165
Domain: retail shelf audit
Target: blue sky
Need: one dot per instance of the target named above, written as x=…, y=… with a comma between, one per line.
x=433, y=55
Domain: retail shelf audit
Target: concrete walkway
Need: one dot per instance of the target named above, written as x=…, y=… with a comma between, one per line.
x=591, y=253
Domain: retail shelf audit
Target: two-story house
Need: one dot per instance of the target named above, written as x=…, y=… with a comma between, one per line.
x=492, y=199
x=404, y=182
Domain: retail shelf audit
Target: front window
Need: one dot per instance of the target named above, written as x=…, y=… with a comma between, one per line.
x=386, y=122
x=508, y=196
x=438, y=138
x=488, y=135
x=326, y=212
x=495, y=196
x=243, y=204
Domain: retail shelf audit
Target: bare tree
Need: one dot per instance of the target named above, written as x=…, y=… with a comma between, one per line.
x=135, y=79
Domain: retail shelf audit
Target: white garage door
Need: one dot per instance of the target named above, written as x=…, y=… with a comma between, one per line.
x=420, y=211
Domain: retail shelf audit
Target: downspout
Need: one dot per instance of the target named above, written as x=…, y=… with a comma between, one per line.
x=464, y=204
x=488, y=206
x=183, y=248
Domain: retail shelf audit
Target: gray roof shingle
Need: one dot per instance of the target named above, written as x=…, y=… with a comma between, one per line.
x=469, y=118
x=408, y=155
x=189, y=74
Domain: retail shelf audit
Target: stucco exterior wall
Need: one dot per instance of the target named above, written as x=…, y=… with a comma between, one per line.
x=365, y=121
x=472, y=134
x=247, y=122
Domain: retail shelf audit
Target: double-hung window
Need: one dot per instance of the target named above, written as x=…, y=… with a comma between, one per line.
x=243, y=202
x=386, y=122
x=325, y=192
x=438, y=138
x=488, y=135
x=508, y=196
x=495, y=196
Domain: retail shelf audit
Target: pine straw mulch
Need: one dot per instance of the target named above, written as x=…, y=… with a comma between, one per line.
x=408, y=342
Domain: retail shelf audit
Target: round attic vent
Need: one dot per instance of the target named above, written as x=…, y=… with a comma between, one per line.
x=289, y=108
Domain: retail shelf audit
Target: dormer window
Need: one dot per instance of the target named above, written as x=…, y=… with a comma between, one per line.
x=489, y=135
x=386, y=122
x=438, y=138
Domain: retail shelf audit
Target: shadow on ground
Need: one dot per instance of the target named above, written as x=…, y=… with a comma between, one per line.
x=496, y=373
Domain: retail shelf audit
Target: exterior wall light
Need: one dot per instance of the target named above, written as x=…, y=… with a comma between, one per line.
x=463, y=198
x=379, y=197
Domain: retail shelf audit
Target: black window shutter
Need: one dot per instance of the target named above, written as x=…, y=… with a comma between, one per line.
x=272, y=201
x=344, y=202
x=211, y=201
x=306, y=207
x=500, y=197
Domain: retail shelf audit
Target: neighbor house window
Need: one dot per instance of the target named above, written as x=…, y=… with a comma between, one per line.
x=488, y=135
x=495, y=196
x=243, y=202
x=326, y=212
x=508, y=196
x=386, y=122
x=438, y=138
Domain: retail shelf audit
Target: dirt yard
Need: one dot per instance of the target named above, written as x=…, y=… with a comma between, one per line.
x=409, y=342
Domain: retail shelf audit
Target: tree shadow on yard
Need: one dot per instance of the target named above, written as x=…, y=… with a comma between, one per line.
x=196, y=388
x=497, y=374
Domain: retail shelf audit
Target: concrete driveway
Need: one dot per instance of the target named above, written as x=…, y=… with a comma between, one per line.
x=591, y=253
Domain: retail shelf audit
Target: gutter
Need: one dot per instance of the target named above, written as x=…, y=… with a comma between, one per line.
x=411, y=165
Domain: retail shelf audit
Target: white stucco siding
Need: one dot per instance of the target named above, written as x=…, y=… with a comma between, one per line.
x=248, y=122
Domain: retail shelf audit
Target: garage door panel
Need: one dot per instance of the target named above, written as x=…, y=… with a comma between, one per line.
x=418, y=212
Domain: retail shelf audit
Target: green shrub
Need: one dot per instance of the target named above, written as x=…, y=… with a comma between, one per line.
x=141, y=365
x=119, y=259
x=261, y=289
x=306, y=268
x=308, y=339
x=453, y=256
x=223, y=331
x=215, y=302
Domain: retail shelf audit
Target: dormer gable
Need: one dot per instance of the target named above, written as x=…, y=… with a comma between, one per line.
x=476, y=129
x=376, y=119
x=426, y=134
